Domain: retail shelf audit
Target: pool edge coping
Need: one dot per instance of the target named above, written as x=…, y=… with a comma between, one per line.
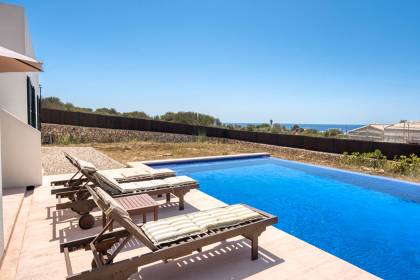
x=350, y=172
x=151, y=163
x=199, y=159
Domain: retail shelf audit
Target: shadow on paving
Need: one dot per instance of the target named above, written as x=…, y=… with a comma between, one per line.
x=228, y=260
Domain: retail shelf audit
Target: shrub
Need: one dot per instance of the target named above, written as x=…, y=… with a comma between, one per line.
x=402, y=165
x=333, y=132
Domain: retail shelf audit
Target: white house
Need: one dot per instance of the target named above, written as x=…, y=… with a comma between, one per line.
x=20, y=139
x=371, y=132
x=403, y=132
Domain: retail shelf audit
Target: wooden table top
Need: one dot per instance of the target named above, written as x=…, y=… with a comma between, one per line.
x=134, y=202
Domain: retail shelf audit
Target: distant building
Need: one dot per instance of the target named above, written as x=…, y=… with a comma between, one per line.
x=371, y=132
x=403, y=132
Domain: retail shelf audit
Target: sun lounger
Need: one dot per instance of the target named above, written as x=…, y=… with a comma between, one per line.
x=166, y=239
x=128, y=174
x=83, y=205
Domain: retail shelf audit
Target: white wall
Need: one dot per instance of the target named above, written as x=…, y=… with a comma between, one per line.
x=14, y=35
x=1, y=209
x=13, y=96
x=20, y=152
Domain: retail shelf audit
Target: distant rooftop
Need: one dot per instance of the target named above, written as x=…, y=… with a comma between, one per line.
x=412, y=125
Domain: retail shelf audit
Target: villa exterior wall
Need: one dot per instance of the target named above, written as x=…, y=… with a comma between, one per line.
x=1, y=208
x=20, y=153
x=14, y=35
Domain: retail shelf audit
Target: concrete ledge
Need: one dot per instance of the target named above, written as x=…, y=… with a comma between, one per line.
x=197, y=159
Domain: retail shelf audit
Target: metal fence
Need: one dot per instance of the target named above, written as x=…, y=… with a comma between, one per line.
x=322, y=144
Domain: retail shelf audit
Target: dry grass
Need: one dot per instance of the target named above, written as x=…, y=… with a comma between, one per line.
x=138, y=151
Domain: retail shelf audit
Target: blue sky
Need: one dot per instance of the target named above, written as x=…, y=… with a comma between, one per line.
x=242, y=61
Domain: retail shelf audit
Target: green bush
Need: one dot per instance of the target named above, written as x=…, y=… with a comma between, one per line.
x=333, y=132
x=402, y=165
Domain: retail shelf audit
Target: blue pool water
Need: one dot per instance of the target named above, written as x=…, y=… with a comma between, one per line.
x=369, y=221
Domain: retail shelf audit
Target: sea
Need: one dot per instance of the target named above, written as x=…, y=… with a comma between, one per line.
x=320, y=127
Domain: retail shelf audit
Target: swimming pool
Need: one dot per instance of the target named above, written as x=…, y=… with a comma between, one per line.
x=371, y=222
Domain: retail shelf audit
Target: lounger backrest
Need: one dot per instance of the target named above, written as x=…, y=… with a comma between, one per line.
x=72, y=160
x=108, y=184
x=115, y=211
x=86, y=167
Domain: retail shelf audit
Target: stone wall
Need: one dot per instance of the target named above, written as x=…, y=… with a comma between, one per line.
x=68, y=134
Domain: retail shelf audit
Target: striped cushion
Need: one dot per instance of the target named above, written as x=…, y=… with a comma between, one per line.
x=175, y=228
x=162, y=171
x=180, y=180
x=202, y=219
x=243, y=213
x=222, y=218
x=110, y=202
x=107, y=183
x=170, y=229
x=141, y=186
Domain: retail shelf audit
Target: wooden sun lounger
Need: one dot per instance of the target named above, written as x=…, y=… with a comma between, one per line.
x=79, y=178
x=106, y=245
x=81, y=203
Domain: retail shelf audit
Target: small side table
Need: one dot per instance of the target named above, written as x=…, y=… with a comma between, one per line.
x=136, y=205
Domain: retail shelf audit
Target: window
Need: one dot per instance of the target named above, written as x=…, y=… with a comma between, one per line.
x=31, y=103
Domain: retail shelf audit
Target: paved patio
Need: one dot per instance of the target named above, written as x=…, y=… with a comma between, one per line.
x=34, y=252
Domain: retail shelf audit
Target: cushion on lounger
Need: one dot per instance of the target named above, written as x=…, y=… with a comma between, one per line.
x=142, y=186
x=107, y=183
x=180, y=180
x=202, y=219
x=162, y=171
x=86, y=166
x=170, y=229
x=222, y=218
x=243, y=213
x=175, y=228
x=111, y=203
x=134, y=172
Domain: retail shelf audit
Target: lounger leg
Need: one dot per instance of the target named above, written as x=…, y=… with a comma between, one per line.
x=155, y=213
x=253, y=237
x=168, y=198
x=254, y=249
x=103, y=219
x=181, y=202
x=144, y=218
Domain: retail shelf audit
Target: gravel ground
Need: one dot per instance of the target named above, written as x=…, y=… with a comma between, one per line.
x=54, y=162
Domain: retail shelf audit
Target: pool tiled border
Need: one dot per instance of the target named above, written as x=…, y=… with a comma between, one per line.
x=197, y=159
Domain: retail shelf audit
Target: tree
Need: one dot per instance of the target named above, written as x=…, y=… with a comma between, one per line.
x=55, y=103
x=52, y=103
x=136, y=115
x=332, y=132
x=191, y=118
x=296, y=129
x=277, y=128
x=311, y=131
x=107, y=111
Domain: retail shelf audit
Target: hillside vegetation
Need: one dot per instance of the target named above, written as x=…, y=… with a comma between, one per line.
x=192, y=118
